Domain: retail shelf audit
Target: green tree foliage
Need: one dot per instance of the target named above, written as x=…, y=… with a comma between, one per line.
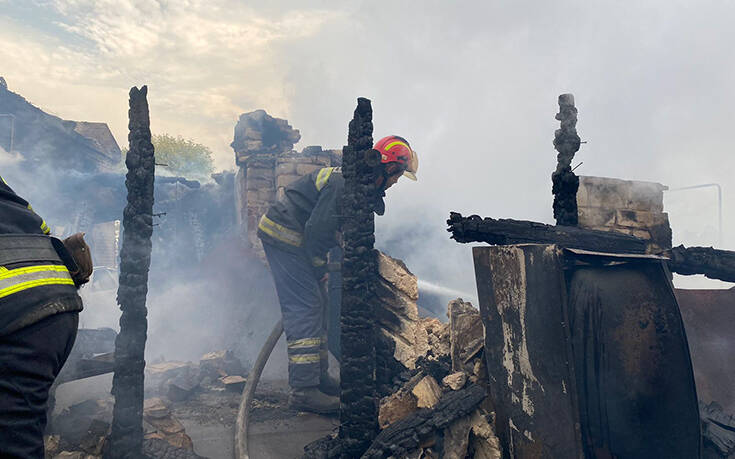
x=183, y=157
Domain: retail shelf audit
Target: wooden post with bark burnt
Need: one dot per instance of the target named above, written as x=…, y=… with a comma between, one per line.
x=564, y=183
x=358, y=413
x=126, y=438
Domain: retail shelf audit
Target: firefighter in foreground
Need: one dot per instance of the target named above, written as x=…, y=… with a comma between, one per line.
x=297, y=232
x=39, y=313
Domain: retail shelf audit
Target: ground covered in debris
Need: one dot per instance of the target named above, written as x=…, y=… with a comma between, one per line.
x=189, y=412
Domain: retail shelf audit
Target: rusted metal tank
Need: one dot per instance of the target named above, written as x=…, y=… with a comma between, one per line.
x=586, y=354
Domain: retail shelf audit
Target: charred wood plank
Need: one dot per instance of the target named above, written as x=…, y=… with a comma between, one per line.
x=126, y=439
x=506, y=231
x=713, y=263
x=564, y=183
x=358, y=411
x=407, y=434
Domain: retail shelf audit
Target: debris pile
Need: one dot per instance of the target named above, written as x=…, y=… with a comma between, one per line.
x=718, y=431
x=434, y=390
x=173, y=389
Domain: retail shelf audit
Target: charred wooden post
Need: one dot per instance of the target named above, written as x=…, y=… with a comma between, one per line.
x=564, y=182
x=135, y=258
x=503, y=232
x=713, y=263
x=358, y=414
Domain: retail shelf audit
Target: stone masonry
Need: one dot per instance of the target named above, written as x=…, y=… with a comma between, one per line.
x=267, y=164
x=625, y=206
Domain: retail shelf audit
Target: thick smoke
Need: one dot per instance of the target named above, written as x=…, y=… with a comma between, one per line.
x=206, y=292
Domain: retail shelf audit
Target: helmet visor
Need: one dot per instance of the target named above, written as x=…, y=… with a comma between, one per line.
x=412, y=167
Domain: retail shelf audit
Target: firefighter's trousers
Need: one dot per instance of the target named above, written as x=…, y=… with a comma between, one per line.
x=303, y=310
x=30, y=360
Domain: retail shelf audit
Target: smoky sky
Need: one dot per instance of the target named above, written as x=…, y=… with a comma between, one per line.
x=472, y=85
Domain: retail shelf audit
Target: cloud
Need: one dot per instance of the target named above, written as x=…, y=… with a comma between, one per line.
x=204, y=62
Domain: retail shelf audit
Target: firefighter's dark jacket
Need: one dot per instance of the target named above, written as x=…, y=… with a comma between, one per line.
x=30, y=290
x=306, y=217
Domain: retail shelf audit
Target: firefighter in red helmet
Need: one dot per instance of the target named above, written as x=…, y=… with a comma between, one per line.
x=297, y=232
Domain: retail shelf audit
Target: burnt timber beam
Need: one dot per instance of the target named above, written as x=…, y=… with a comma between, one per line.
x=403, y=436
x=506, y=231
x=713, y=263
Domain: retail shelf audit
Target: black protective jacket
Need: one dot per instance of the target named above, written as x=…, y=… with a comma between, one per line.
x=27, y=292
x=306, y=217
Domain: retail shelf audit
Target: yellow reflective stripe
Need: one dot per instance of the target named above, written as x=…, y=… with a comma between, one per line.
x=323, y=177
x=304, y=343
x=316, y=261
x=3, y=180
x=16, y=280
x=397, y=142
x=279, y=232
x=6, y=273
x=303, y=358
x=36, y=283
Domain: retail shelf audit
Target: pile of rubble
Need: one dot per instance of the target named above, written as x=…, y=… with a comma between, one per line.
x=441, y=410
x=431, y=377
x=82, y=430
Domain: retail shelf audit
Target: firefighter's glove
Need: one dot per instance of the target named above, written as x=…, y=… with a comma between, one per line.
x=79, y=251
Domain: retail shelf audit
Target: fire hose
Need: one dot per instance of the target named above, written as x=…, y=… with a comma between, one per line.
x=242, y=425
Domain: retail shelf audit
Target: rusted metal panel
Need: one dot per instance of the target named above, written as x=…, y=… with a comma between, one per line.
x=586, y=353
x=522, y=304
x=636, y=387
x=709, y=316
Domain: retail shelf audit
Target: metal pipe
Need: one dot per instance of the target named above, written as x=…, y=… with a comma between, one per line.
x=719, y=202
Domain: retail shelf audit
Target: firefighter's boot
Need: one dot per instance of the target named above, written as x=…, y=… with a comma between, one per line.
x=313, y=400
x=329, y=385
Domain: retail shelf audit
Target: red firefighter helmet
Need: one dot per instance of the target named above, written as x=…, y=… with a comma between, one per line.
x=395, y=149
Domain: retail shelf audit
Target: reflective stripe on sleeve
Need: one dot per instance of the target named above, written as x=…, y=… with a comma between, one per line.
x=279, y=232
x=323, y=177
x=20, y=279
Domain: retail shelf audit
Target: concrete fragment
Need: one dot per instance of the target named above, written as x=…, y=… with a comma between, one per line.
x=457, y=439
x=427, y=392
x=396, y=407
x=51, y=444
x=456, y=380
x=219, y=364
x=484, y=444
x=466, y=332
x=234, y=383
x=155, y=408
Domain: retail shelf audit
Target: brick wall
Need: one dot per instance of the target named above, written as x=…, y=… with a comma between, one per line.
x=267, y=165
x=625, y=206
